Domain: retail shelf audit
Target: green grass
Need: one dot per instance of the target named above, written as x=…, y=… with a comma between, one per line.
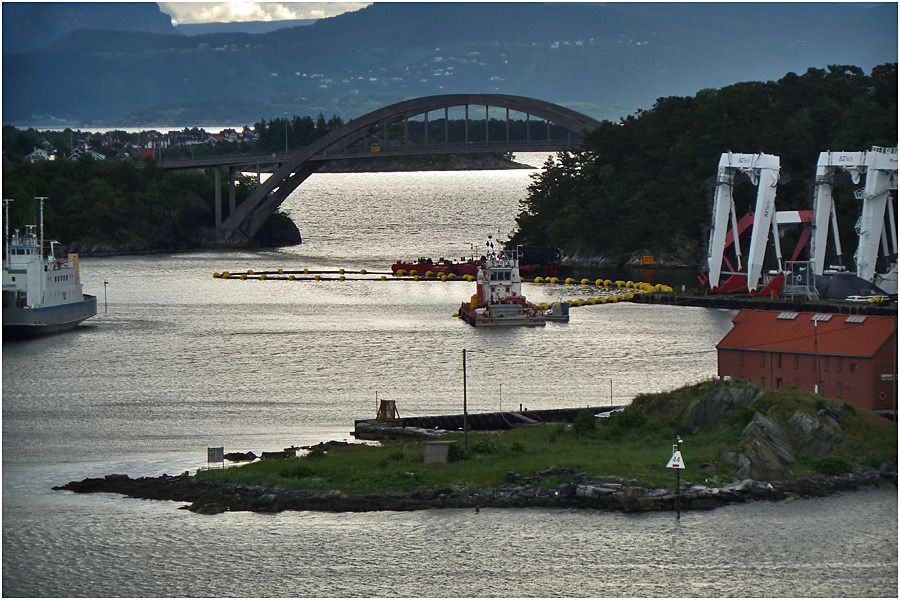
x=634, y=445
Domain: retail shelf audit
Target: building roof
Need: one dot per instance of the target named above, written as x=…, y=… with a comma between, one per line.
x=798, y=332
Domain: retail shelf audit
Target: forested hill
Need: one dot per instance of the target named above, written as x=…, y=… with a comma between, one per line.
x=606, y=60
x=645, y=184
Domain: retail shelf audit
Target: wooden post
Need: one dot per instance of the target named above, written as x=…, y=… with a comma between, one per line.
x=465, y=407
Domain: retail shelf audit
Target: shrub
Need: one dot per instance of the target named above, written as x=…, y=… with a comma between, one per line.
x=456, y=453
x=832, y=465
x=584, y=422
x=485, y=445
x=517, y=448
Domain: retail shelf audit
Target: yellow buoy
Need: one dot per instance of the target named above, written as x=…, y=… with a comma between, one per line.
x=591, y=301
x=469, y=278
x=629, y=284
x=415, y=277
x=291, y=278
x=601, y=300
x=473, y=301
x=342, y=278
x=539, y=280
x=455, y=315
x=554, y=280
x=306, y=271
x=607, y=283
x=362, y=271
x=429, y=274
x=620, y=284
x=544, y=306
x=383, y=278
x=451, y=276
x=281, y=271
x=216, y=275
x=243, y=276
x=318, y=277
x=263, y=277
x=599, y=283
x=400, y=273
x=443, y=277
x=413, y=272
x=585, y=281
x=569, y=281
x=225, y=274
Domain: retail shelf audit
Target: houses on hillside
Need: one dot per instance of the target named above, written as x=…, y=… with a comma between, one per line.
x=143, y=145
x=851, y=358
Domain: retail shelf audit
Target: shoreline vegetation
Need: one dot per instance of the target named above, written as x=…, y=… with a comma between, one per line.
x=741, y=444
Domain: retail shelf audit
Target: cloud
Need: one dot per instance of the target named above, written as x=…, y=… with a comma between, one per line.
x=227, y=12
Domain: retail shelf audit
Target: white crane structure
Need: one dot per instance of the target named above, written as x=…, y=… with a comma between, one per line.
x=763, y=170
x=879, y=165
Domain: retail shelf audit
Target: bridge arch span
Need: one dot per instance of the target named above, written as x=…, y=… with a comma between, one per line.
x=250, y=215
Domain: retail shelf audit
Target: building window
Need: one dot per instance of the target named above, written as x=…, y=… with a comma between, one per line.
x=778, y=359
x=762, y=359
x=824, y=363
x=839, y=364
x=853, y=366
x=796, y=361
x=840, y=389
x=740, y=358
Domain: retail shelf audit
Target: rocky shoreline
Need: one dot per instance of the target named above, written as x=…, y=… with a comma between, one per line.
x=580, y=491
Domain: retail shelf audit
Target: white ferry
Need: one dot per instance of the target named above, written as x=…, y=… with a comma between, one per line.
x=41, y=294
x=498, y=299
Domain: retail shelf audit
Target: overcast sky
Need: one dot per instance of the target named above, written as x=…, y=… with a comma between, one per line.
x=225, y=12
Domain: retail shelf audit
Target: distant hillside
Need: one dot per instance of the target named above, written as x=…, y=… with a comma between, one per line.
x=240, y=26
x=28, y=26
x=605, y=59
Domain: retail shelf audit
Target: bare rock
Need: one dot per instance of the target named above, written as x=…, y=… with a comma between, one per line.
x=818, y=434
x=768, y=448
x=708, y=411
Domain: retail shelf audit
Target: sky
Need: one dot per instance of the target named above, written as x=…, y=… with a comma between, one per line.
x=224, y=12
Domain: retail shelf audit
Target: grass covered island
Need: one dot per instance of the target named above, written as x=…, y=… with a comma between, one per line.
x=739, y=443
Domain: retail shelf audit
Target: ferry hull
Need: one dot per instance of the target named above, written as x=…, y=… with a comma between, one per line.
x=27, y=322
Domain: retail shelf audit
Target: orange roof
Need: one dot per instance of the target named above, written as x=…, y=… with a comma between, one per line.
x=835, y=334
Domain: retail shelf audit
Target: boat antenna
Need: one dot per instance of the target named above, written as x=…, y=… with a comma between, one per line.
x=6, y=202
x=41, y=199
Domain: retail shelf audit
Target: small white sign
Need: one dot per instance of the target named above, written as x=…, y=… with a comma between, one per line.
x=676, y=462
x=215, y=454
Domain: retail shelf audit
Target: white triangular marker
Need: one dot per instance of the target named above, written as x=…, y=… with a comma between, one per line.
x=676, y=462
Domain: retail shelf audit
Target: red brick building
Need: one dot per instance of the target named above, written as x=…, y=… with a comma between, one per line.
x=844, y=356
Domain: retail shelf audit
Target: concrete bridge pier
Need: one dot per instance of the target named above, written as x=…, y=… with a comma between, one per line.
x=231, y=180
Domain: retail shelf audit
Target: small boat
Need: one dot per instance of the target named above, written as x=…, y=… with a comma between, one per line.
x=534, y=261
x=41, y=294
x=498, y=300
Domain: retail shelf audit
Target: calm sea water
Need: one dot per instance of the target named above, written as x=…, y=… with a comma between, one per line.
x=182, y=361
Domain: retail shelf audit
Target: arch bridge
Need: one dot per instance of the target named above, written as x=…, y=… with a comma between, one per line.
x=389, y=131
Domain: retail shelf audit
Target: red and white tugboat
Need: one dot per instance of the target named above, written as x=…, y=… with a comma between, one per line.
x=498, y=300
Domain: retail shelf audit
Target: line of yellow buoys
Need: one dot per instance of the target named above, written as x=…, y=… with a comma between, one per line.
x=612, y=291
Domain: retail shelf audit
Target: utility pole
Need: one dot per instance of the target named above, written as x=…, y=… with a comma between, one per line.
x=465, y=407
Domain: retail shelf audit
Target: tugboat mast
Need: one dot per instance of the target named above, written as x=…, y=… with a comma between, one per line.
x=6, y=202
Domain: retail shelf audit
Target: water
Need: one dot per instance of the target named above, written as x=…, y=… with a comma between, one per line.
x=183, y=361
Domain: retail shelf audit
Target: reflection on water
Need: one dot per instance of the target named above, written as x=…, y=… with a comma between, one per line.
x=183, y=361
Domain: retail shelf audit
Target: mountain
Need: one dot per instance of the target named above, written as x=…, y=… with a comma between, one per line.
x=240, y=26
x=28, y=26
x=607, y=60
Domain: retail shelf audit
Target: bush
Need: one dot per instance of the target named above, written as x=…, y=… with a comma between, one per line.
x=584, y=422
x=485, y=445
x=456, y=453
x=517, y=448
x=832, y=465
